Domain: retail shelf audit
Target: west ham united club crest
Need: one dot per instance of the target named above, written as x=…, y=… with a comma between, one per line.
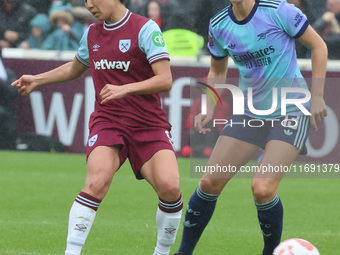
x=124, y=45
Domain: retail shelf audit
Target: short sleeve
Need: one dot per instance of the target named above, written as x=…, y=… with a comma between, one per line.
x=214, y=47
x=292, y=20
x=83, y=51
x=151, y=42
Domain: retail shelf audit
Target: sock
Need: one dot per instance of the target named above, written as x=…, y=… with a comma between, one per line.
x=82, y=214
x=270, y=217
x=168, y=218
x=200, y=208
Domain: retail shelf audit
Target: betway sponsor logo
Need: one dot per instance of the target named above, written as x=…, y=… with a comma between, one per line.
x=106, y=64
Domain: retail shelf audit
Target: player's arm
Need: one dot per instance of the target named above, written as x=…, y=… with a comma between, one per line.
x=69, y=71
x=319, y=65
x=158, y=57
x=217, y=75
x=160, y=82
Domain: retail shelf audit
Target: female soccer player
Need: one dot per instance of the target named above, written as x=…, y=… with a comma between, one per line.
x=259, y=36
x=129, y=64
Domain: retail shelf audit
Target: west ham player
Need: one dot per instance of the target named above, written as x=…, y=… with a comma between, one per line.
x=129, y=64
x=259, y=36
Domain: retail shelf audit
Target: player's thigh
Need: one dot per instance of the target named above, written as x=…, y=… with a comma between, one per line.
x=276, y=160
x=277, y=157
x=284, y=143
x=102, y=164
x=162, y=172
x=229, y=154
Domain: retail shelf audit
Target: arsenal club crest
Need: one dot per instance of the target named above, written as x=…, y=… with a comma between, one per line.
x=124, y=45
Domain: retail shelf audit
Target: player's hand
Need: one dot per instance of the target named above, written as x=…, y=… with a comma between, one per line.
x=25, y=84
x=200, y=121
x=110, y=92
x=318, y=109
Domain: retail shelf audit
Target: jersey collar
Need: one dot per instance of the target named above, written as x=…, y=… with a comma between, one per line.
x=247, y=19
x=119, y=23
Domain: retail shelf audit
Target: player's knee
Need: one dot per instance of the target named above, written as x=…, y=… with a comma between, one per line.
x=170, y=191
x=212, y=186
x=98, y=186
x=263, y=190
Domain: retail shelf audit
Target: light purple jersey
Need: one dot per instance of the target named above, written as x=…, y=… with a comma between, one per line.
x=263, y=49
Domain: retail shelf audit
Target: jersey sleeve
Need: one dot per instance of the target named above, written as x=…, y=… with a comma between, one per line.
x=83, y=50
x=214, y=47
x=292, y=20
x=151, y=42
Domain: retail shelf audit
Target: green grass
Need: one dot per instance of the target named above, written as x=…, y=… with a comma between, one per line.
x=38, y=189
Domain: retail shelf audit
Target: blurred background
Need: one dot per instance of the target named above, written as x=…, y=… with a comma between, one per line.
x=37, y=35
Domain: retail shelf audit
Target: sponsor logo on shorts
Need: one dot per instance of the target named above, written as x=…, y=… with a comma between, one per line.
x=93, y=140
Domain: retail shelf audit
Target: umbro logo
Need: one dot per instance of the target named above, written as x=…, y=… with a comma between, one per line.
x=263, y=35
x=170, y=230
x=80, y=227
x=95, y=47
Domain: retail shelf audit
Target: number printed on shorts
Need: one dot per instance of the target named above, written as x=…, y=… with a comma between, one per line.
x=291, y=122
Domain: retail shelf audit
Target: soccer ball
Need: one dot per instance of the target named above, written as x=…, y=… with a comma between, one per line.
x=296, y=246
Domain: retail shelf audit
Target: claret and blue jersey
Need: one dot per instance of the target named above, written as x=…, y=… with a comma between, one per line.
x=122, y=53
x=263, y=49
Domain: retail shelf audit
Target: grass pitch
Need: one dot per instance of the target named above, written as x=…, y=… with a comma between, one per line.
x=38, y=189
